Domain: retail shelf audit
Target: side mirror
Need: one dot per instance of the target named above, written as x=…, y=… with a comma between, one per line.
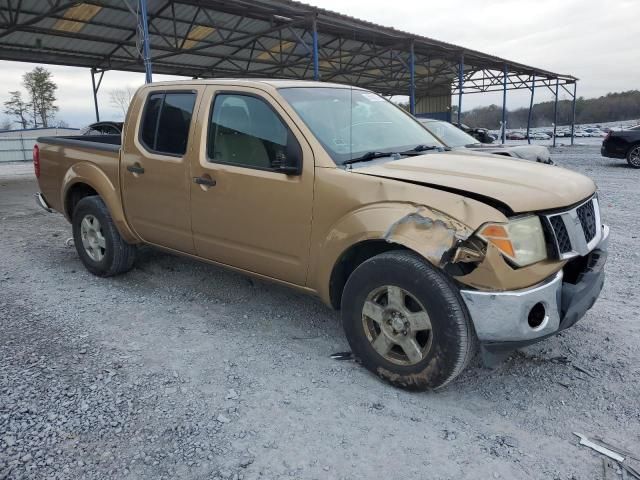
x=290, y=161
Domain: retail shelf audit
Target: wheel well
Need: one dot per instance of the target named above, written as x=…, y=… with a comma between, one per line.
x=76, y=193
x=350, y=260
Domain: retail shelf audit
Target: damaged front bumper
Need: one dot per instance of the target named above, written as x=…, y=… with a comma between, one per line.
x=507, y=320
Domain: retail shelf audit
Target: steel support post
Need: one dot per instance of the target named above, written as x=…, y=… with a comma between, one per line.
x=533, y=91
x=144, y=27
x=316, y=51
x=555, y=113
x=95, y=89
x=412, y=75
x=504, y=104
x=573, y=112
x=460, y=82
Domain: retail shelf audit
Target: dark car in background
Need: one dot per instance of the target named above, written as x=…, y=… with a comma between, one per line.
x=623, y=144
x=103, y=128
x=480, y=134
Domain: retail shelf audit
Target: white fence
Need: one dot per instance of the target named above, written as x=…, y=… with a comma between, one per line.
x=17, y=145
x=17, y=149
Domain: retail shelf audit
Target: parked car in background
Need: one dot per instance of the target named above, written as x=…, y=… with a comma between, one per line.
x=103, y=128
x=516, y=136
x=340, y=193
x=456, y=139
x=539, y=136
x=480, y=134
x=623, y=144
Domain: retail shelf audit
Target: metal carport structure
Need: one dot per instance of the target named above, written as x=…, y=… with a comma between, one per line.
x=259, y=38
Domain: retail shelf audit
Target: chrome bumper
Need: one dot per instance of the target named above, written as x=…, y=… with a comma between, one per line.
x=502, y=318
x=40, y=200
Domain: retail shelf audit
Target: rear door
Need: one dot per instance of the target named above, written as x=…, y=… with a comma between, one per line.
x=251, y=216
x=155, y=167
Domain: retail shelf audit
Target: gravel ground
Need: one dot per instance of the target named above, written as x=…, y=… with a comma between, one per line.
x=184, y=370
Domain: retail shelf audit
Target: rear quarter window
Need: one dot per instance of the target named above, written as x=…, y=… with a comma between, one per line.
x=166, y=122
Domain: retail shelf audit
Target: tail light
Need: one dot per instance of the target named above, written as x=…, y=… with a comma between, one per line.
x=36, y=160
x=608, y=135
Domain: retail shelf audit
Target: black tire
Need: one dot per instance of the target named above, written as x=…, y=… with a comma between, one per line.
x=117, y=255
x=633, y=156
x=453, y=342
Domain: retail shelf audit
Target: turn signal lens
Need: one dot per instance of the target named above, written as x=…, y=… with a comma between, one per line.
x=498, y=235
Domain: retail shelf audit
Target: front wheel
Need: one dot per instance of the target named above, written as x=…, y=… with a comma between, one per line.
x=633, y=157
x=98, y=242
x=407, y=322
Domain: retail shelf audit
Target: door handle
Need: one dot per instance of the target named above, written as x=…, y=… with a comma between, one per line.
x=204, y=181
x=136, y=168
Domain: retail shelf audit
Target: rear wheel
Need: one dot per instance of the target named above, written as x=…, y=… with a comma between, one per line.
x=407, y=322
x=633, y=157
x=98, y=242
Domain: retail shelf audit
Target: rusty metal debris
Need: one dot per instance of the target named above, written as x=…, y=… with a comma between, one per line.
x=599, y=448
x=583, y=370
x=342, y=356
x=612, y=452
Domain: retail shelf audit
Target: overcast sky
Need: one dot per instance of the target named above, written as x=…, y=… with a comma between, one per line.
x=594, y=40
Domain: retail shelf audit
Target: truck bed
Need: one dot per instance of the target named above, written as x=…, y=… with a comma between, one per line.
x=99, y=142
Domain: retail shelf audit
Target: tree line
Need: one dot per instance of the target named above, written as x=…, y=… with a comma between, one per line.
x=38, y=107
x=608, y=108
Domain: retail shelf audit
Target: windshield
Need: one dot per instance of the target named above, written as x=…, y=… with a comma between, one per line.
x=351, y=123
x=449, y=134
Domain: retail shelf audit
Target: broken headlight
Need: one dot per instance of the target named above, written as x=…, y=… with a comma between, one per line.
x=521, y=240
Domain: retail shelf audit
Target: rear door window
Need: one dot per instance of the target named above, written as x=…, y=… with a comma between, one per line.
x=166, y=121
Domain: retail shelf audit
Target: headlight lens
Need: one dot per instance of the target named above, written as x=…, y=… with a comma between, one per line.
x=521, y=240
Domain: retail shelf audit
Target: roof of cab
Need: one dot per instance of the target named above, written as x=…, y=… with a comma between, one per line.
x=274, y=83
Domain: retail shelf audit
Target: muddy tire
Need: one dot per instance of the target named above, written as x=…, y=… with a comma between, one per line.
x=406, y=321
x=99, y=244
x=633, y=156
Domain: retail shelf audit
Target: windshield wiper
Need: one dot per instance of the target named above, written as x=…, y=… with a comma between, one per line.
x=374, y=154
x=421, y=148
x=369, y=156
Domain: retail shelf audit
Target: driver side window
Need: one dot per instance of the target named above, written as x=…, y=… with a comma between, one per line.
x=244, y=130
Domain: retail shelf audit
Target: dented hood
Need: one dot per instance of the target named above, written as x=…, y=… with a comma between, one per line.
x=523, y=186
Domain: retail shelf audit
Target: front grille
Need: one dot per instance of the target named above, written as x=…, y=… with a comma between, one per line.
x=587, y=217
x=562, y=236
x=573, y=232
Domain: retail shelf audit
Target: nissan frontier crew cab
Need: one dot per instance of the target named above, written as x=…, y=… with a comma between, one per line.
x=335, y=191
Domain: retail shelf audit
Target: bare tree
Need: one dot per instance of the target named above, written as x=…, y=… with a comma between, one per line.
x=121, y=98
x=42, y=92
x=17, y=107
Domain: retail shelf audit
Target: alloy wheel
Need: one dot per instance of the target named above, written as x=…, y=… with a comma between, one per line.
x=397, y=325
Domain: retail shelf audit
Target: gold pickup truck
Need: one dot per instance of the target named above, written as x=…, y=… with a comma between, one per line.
x=334, y=190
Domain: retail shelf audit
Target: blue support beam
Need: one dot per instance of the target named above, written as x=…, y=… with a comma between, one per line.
x=460, y=82
x=555, y=113
x=533, y=91
x=412, y=84
x=573, y=113
x=144, y=27
x=316, y=52
x=504, y=104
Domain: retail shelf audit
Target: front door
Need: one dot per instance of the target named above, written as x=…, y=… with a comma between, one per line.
x=244, y=212
x=156, y=182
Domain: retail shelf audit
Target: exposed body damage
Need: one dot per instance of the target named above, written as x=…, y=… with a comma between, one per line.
x=493, y=273
x=439, y=232
x=424, y=251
